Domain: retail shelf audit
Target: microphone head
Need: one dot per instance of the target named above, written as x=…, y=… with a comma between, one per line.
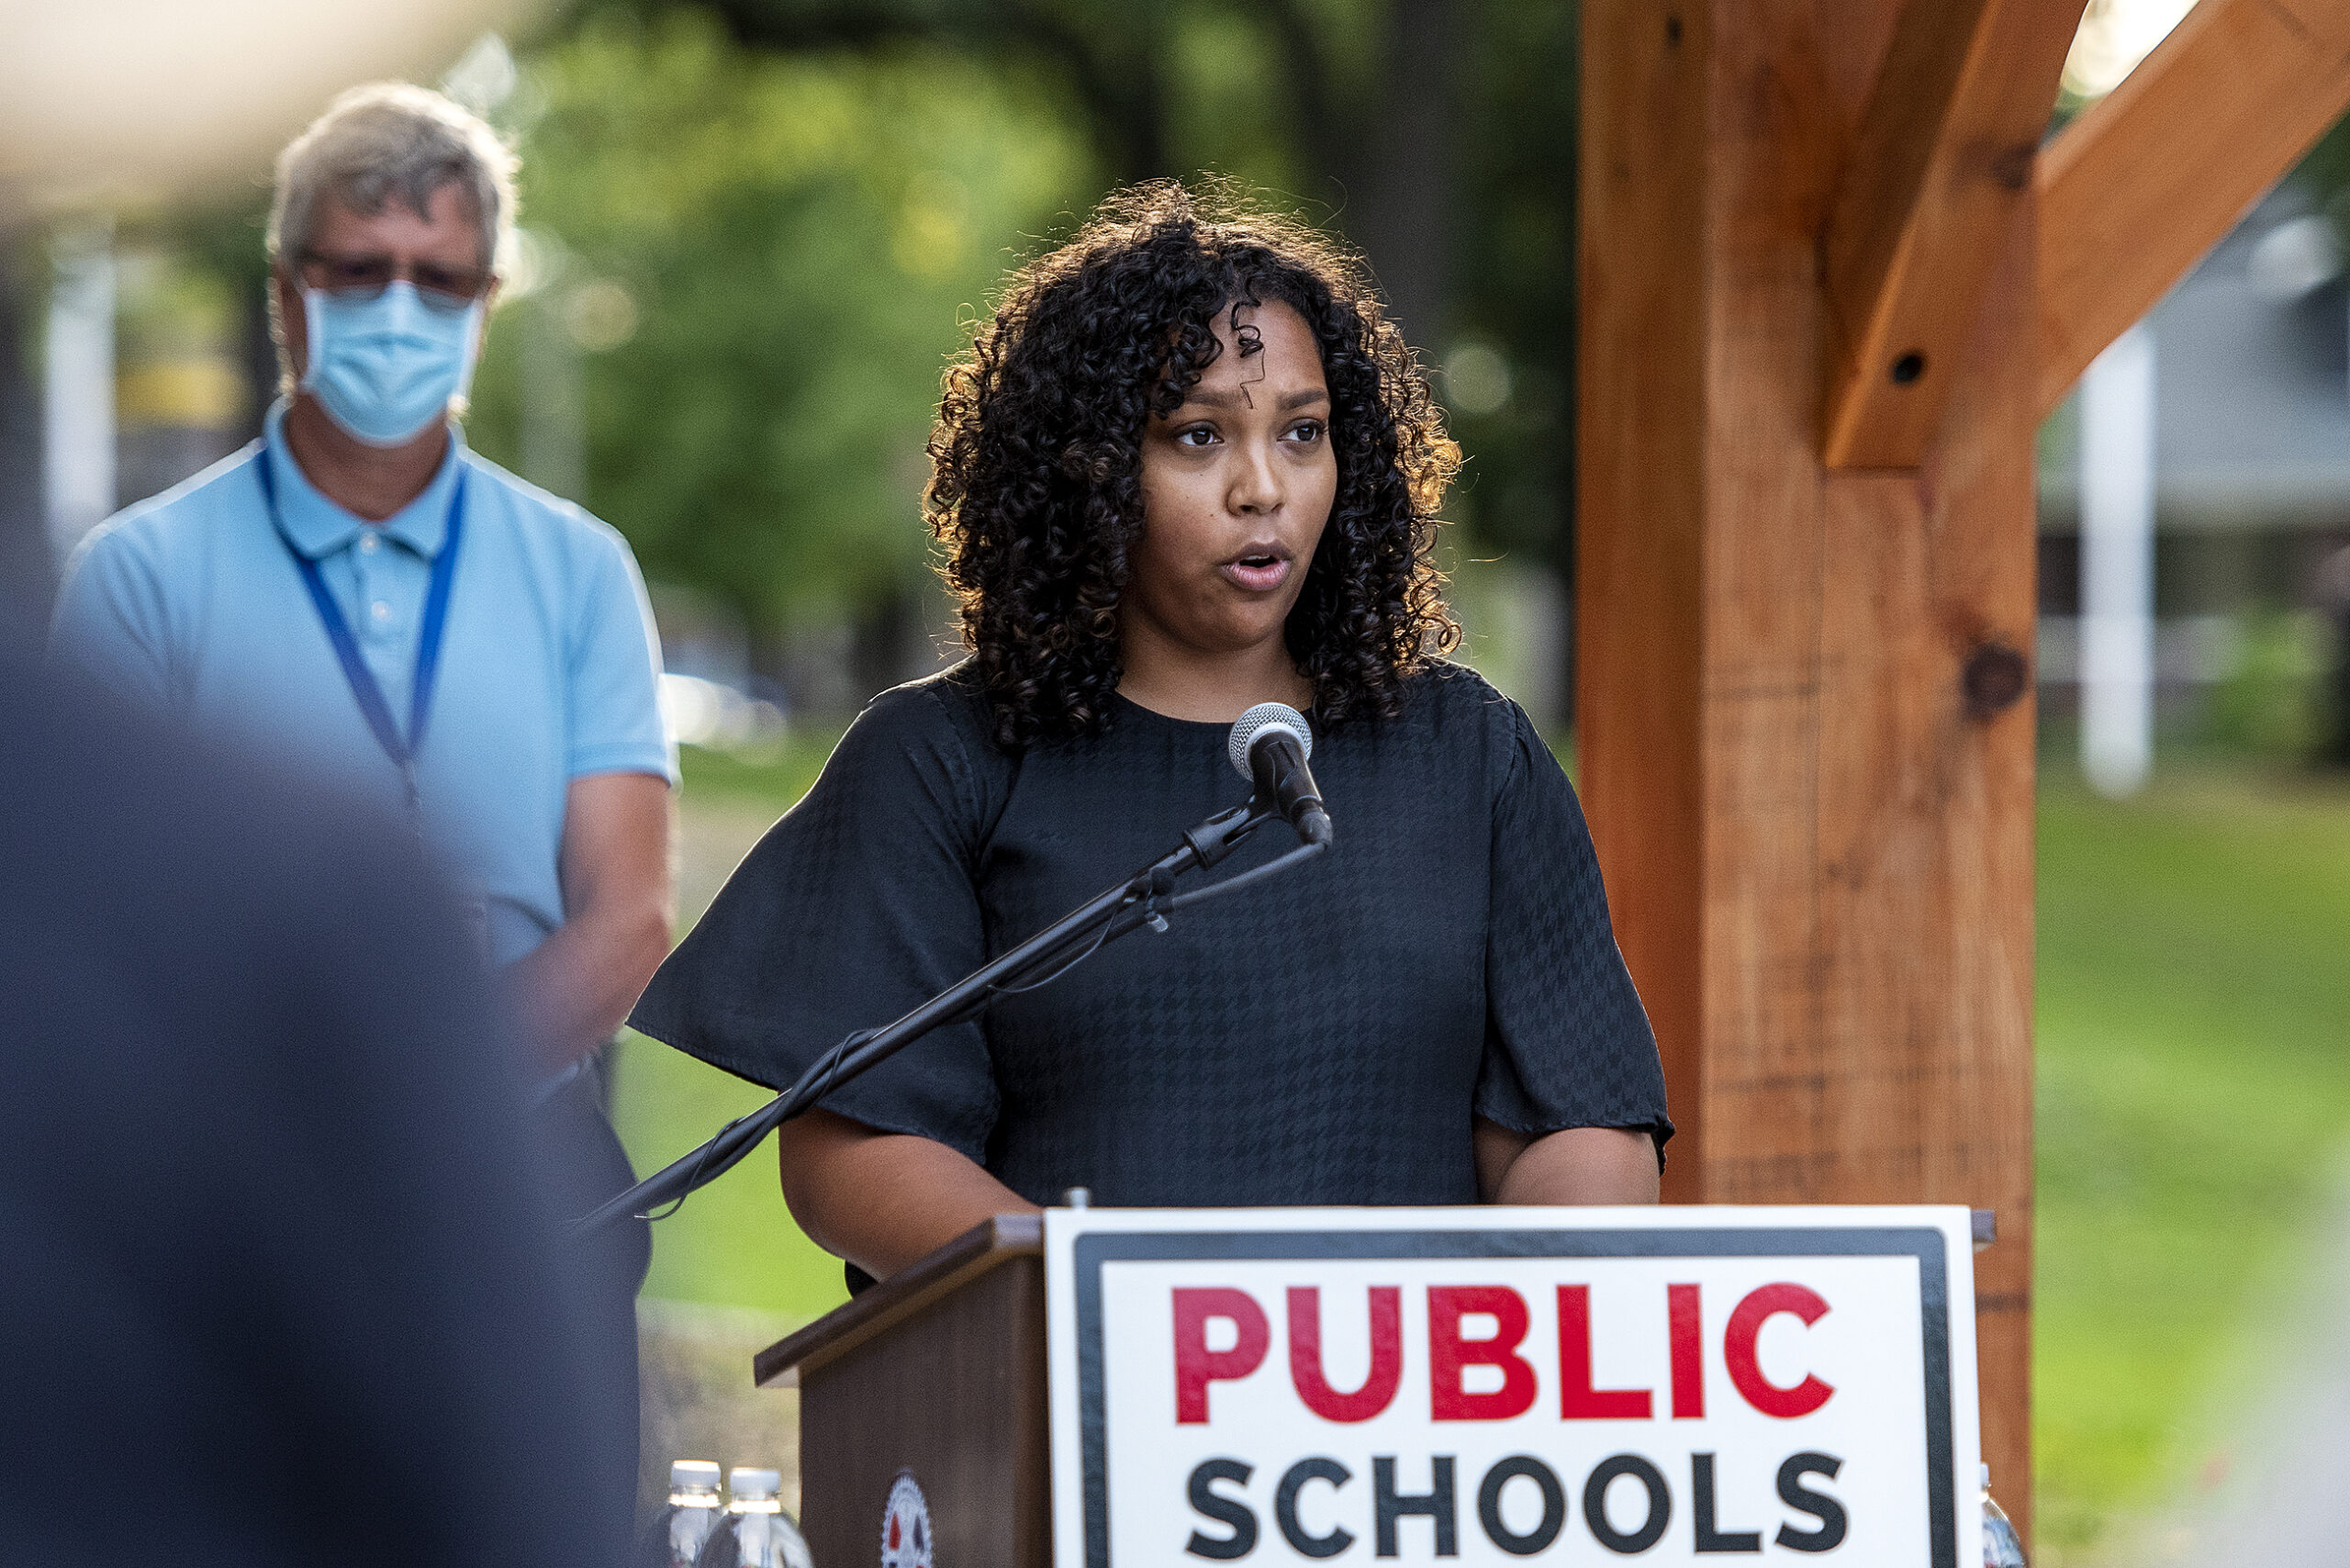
x=1265, y=716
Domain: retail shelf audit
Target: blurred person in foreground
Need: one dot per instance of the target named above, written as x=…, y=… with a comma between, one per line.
x=360, y=593
x=280, y=1283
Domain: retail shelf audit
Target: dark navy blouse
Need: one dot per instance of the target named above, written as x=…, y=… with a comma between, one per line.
x=1324, y=1038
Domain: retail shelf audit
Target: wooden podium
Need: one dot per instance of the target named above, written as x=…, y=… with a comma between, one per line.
x=1153, y=1382
x=940, y=1371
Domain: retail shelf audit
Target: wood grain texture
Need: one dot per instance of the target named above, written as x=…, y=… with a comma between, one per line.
x=1640, y=431
x=954, y=1393
x=1942, y=158
x=901, y=1295
x=2135, y=191
x=1821, y=855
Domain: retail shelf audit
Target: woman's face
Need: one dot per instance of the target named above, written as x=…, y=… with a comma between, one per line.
x=1237, y=484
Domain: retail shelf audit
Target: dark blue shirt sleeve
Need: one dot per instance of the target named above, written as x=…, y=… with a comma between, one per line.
x=857, y=906
x=1567, y=1042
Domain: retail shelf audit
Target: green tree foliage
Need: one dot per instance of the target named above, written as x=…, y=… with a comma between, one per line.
x=1438, y=135
x=1515, y=297
x=764, y=259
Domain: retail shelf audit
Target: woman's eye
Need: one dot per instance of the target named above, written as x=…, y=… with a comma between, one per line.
x=1197, y=435
x=1307, y=432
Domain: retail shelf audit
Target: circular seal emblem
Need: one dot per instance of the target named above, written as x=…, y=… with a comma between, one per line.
x=906, y=1525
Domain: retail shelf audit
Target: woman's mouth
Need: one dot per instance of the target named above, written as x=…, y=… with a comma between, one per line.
x=1259, y=569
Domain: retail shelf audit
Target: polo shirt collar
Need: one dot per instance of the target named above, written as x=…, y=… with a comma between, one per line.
x=319, y=528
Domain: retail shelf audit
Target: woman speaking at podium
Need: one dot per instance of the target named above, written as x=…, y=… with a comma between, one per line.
x=1187, y=468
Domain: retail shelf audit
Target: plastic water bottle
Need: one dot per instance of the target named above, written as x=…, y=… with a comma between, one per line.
x=2000, y=1547
x=674, y=1538
x=755, y=1532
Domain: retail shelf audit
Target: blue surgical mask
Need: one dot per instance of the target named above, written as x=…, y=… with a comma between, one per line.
x=385, y=368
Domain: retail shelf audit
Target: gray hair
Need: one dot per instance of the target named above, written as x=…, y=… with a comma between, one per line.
x=392, y=141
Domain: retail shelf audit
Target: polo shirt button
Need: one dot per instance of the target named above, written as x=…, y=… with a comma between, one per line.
x=366, y=544
x=380, y=611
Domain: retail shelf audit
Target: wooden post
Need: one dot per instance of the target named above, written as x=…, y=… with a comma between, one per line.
x=1805, y=717
x=1927, y=198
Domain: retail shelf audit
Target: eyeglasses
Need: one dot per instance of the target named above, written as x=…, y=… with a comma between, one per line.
x=361, y=278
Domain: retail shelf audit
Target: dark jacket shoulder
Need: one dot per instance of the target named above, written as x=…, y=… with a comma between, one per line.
x=944, y=714
x=951, y=699
x=1459, y=713
x=932, y=735
x=1456, y=692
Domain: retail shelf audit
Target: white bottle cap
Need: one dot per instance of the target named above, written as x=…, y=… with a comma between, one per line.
x=745, y=1482
x=693, y=1475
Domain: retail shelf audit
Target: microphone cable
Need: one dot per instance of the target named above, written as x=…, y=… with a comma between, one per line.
x=822, y=1071
x=1256, y=874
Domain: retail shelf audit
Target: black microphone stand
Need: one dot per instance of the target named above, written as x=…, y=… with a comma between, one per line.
x=1144, y=899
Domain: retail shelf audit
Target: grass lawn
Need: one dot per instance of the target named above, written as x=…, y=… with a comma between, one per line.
x=2194, y=1089
x=2194, y=1018
x=734, y=1242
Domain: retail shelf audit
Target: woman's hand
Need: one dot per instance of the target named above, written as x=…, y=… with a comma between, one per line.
x=1577, y=1165
x=883, y=1200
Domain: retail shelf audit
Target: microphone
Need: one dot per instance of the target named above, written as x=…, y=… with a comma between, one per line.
x=1268, y=746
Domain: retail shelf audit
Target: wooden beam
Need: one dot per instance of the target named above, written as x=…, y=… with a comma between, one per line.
x=1944, y=158
x=1803, y=705
x=1640, y=499
x=2134, y=192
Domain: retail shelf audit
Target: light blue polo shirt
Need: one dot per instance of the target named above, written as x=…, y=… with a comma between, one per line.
x=549, y=663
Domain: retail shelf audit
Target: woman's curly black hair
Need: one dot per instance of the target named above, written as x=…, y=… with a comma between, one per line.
x=1036, y=492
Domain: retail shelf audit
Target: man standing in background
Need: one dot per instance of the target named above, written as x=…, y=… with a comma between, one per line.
x=358, y=593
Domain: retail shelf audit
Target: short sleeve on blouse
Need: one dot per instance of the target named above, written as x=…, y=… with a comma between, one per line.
x=1567, y=1042
x=855, y=908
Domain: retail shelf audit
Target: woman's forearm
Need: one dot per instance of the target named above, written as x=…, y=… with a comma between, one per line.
x=1578, y=1165
x=883, y=1200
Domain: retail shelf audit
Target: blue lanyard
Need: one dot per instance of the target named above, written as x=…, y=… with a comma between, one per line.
x=363, y=687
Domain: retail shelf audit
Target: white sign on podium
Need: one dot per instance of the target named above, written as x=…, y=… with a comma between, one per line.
x=1490, y=1384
